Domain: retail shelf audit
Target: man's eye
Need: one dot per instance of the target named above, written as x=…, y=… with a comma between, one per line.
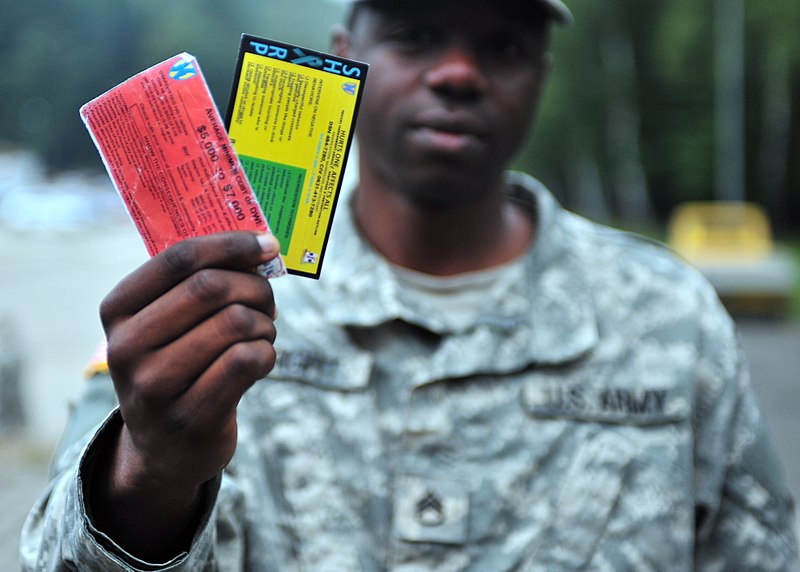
x=413, y=37
x=511, y=49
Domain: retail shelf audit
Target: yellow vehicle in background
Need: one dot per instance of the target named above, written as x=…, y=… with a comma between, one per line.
x=732, y=244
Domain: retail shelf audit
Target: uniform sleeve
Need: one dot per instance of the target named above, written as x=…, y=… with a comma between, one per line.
x=59, y=534
x=744, y=512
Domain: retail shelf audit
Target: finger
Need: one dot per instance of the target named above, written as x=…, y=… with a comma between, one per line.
x=178, y=365
x=218, y=391
x=231, y=250
x=164, y=374
x=194, y=300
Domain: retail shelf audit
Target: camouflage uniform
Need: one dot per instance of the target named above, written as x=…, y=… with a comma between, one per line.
x=597, y=415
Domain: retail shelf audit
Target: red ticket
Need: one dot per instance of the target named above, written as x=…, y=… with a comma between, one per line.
x=166, y=149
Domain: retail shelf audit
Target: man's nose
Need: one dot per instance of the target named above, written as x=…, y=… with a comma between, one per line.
x=457, y=72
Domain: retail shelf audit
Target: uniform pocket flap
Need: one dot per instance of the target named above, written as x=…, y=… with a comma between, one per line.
x=349, y=371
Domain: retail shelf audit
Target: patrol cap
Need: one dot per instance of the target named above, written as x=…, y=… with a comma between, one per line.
x=556, y=9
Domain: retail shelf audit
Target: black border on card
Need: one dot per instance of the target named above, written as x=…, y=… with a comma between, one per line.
x=308, y=58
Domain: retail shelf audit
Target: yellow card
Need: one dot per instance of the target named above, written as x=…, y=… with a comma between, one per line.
x=291, y=118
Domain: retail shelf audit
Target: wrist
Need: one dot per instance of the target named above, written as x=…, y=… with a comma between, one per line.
x=132, y=474
x=142, y=513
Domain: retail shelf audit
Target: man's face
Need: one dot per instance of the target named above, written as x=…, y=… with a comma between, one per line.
x=450, y=93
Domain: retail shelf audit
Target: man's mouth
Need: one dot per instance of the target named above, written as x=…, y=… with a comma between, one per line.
x=448, y=133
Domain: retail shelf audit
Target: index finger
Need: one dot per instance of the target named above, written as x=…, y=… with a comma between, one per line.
x=236, y=250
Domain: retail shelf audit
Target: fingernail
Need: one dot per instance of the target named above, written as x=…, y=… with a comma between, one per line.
x=269, y=244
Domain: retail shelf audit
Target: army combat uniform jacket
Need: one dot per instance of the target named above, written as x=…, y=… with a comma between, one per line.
x=596, y=414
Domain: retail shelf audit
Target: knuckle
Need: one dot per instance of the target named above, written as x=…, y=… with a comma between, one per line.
x=235, y=246
x=180, y=258
x=119, y=351
x=232, y=243
x=249, y=361
x=240, y=319
x=115, y=355
x=149, y=391
x=241, y=360
x=269, y=358
x=114, y=309
x=108, y=314
x=271, y=333
x=204, y=285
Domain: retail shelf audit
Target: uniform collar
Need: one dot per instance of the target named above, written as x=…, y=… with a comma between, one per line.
x=551, y=314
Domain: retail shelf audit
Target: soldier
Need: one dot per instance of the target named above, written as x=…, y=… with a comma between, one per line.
x=479, y=381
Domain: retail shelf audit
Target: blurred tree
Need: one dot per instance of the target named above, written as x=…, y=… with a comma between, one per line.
x=773, y=102
x=647, y=66
x=630, y=109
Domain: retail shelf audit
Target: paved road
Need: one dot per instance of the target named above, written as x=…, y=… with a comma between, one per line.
x=773, y=349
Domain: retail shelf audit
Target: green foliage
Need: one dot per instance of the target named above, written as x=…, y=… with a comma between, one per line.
x=669, y=95
x=794, y=246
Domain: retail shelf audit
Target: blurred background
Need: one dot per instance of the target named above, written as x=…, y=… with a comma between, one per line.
x=678, y=119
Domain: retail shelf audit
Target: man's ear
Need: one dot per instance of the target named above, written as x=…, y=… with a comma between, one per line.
x=340, y=41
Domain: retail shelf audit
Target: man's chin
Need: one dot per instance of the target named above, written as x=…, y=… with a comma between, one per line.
x=446, y=189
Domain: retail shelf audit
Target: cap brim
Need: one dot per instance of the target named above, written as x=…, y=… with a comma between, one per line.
x=558, y=10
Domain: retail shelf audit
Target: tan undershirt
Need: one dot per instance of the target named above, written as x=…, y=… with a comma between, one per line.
x=458, y=300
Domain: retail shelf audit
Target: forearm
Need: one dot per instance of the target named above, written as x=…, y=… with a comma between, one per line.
x=142, y=515
x=60, y=532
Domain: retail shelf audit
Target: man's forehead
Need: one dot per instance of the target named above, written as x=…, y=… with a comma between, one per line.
x=553, y=9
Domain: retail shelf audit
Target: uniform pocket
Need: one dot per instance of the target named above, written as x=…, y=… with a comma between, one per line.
x=590, y=489
x=626, y=478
